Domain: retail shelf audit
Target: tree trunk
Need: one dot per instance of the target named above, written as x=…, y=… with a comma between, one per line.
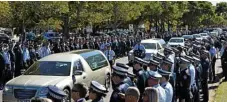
x=66, y=25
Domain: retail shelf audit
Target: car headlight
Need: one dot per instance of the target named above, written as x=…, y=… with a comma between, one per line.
x=43, y=91
x=8, y=89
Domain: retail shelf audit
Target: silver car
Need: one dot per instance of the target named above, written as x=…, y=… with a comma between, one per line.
x=61, y=70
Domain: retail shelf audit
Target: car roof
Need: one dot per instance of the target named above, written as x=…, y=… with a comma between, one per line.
x=149, y=41
x=81, y=51
x=177, y=38
x=63, y=57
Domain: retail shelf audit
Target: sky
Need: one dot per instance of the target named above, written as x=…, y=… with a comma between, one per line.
x=214, y=2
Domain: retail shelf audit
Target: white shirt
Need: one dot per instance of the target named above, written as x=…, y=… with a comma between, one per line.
x=26, y=55
x=169, y=91
x=161, y=92
x=109, y=54
x=192, y=74
x=45, y=51
x=6, y=57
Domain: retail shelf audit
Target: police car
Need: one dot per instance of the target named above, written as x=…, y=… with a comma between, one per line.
x=61, y=70
x=152, y=46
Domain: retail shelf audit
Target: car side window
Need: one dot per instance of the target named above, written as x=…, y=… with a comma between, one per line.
x=96, y=61
x=159, y=47
x=77, y=66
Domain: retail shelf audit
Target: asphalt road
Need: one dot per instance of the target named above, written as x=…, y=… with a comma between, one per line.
x=125, y=60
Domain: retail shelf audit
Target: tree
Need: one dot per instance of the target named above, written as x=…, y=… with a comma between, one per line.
x=5, y=14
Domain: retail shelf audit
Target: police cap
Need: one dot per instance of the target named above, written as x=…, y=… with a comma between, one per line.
x=156, y=58
x=183, y=60
x=153, y=62
x=119, y=71
x=131, y=75
x=164, y=72
x=167, y=49
x=175, y=50
x=196, y=59
x=56, y=93
x=160, y=55
x=167, y=61
x=122, y=65
x=189, y=58
x=97, y=87
x=138, y=60
x=154, y=75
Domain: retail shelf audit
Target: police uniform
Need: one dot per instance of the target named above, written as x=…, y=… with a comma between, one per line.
x=139, y=50
x=56, y=95
x=120, y=87
x=197, y=78
x=110, y=54
x=161, y=91
x=204, y=75
x=161, y=55
x=166, y=85
x=184, y=81
x=128, y=78
x=141, y=76
x=98, y=88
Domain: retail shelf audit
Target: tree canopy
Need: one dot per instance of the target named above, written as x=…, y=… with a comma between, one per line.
x=69, y=15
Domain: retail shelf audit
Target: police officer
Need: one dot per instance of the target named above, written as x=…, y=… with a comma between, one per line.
x=204, y=75
x=153, y=65
x=192, y=74
x=140, y=74
x=110, y=54
x=166, y=85
x=158, y=59
x=97, y=91
x=139, y=50
x=56, y=95
x=129, y=76
x=118, y=77
x=161, y=55
x=184, y=81
x=197, y=78
x=153, y=81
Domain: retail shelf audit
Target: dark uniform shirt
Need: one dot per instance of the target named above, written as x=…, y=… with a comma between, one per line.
x=120, y=88
x=141, y=79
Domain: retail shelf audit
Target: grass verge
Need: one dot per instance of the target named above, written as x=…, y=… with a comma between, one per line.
x=221, y=93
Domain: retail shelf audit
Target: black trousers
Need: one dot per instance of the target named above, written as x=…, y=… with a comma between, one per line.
x=213, y=67
x=224, y=68
x=205, y=91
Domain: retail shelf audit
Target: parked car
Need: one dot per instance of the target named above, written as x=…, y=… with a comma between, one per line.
x=197, y=36
x=152, y=46
x=204, y=35
x=53, y=36
x=4, y=38
x=62, y=70
x=188, y=37
x=176, y=41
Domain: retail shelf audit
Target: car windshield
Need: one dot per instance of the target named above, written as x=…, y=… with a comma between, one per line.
x=197, y=36
x=176, y=40
x=187, y=36
x=149, y=45
x=203, y=34
x=49, y=68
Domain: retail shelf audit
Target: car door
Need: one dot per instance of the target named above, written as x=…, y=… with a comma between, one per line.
x=79, y=73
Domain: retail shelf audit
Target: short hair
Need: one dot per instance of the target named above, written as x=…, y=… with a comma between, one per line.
x=81, y=88
x=152, y=94
x=133, y=91
x=41, y=100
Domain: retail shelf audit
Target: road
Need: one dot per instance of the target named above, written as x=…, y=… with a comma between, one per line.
x=125, y=60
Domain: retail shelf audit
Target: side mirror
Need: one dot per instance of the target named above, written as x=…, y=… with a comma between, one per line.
x=78, y=73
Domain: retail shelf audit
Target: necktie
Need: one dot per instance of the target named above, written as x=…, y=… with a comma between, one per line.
x=108, y=55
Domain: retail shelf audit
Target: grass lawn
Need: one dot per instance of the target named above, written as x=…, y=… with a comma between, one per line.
x=221, y=93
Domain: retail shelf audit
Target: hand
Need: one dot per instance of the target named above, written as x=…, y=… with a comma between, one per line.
x=121, y=95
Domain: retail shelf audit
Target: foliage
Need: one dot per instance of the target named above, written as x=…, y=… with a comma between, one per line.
x=68, y=15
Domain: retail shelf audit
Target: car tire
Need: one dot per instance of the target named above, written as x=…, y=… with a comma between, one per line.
x=107, y=81
x=68, y=95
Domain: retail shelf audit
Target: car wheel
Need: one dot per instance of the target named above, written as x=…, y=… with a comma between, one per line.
x=107, y=81
x=68, y=95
